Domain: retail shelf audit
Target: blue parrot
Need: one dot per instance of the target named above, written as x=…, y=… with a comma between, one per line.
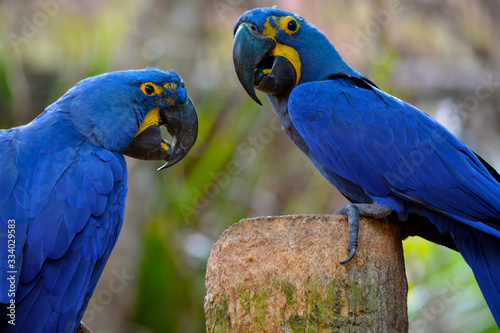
x=63, y=182
x=383, y=154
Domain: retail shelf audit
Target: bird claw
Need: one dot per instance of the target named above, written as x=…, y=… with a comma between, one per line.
x=82, y=328
x=351, y=255
x=353, y=211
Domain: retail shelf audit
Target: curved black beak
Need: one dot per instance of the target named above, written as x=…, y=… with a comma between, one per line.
x=257, y=67
x=181, y=122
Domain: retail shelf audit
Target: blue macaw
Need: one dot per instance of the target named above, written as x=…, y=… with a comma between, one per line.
x=63, y=182
x=380, y=152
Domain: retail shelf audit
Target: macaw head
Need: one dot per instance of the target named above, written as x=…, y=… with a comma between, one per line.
x=274, y=51
x=122, y=111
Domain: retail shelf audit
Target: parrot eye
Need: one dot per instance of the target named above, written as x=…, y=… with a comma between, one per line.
x=149, y=89
x=292, y=26
x=289, y=24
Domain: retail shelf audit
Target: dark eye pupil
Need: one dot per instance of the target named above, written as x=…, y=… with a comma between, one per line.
x=292, y=25
x=149, y=89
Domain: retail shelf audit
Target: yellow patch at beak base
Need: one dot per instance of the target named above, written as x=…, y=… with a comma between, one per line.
x=292, y=56
x=281, y=49
x=152, y=118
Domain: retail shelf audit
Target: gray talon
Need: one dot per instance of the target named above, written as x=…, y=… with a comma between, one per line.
x=353, y=211
x=351, y=255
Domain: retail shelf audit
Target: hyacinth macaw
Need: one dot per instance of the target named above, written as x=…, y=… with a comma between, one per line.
x=380, y=152
x=63, y=182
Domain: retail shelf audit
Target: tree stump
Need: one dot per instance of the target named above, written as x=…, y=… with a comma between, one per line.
x=282, y=274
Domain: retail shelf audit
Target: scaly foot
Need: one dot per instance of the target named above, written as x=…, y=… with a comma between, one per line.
x=353, y=211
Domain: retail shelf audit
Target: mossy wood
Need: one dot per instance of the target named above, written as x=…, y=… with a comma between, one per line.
x=282, y=274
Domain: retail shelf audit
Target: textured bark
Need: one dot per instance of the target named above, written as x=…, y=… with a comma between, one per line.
x=282, y=274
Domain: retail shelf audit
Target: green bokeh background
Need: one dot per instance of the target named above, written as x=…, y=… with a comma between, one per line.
x=442, y=56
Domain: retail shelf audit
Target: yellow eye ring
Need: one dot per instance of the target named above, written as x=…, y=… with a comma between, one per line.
x=150, y=89
x=290, y=24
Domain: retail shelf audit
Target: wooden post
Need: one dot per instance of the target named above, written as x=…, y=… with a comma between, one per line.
x=282, y=274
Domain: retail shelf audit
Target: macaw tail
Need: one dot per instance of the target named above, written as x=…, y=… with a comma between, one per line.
x=482, y=252
x=479, y=245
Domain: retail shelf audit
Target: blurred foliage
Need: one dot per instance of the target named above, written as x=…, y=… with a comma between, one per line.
x=436, y=55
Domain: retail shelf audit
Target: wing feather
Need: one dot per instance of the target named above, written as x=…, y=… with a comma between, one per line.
x=391, y=149
x=68, y=206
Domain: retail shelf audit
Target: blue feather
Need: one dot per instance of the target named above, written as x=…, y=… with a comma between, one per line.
x=9, y=178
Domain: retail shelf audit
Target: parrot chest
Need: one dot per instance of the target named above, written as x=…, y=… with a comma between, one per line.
x=352, y=191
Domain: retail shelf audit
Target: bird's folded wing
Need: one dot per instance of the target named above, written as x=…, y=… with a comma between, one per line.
x=67, y=207
x=395, y=152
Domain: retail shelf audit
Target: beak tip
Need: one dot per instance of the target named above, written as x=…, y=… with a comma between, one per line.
x=250, y=90
x=255, y=98
x=176, y=158
x=164, y=166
